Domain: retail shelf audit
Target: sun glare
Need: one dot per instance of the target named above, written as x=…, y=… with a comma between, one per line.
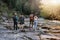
x=55, y=2
x=50, y=6
x=51, y=2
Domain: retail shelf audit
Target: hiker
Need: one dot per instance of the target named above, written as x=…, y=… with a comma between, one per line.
x=15, y=20
x=21, y=19
x=31, y=20
x=35, y=22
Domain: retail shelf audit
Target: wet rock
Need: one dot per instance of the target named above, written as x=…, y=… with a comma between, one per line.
x=53, y=39
x=45, y=28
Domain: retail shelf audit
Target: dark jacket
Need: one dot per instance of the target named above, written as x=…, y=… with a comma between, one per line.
x=15, y=19
x=21, y=19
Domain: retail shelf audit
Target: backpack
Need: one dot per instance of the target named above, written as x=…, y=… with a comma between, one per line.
x=15, y=18
x=31, y=18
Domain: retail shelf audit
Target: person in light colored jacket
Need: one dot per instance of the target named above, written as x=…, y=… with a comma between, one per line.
x=35, y=22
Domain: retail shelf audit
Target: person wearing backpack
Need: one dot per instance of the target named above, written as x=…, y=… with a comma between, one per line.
x=15, y=21
x=31, y=20
x=21, y=20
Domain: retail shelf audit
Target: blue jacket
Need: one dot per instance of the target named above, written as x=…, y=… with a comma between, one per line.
x=15, y=18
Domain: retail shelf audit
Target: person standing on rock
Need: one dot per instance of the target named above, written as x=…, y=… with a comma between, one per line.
x=21, y=20
x=15, y=20
x=31, y=20
x=35, y=22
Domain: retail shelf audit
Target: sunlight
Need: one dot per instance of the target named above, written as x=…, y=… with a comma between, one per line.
x=50, y=2
x=55, y=2
x=50, y=6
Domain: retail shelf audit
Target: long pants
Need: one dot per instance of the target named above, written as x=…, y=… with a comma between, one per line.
x=31, y=23
x=35, y=24
x=15, y=26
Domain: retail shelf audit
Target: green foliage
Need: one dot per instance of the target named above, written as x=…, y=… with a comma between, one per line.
x=45, y=14
x=53, y=16
x=19, y=5
x=23, y=6
x=3, y=7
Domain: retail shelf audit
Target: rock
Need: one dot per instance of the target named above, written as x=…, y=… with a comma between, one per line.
x=45, y=28
x=22, y=30
x=27, y=34
x=53, y=39
x=50, y=37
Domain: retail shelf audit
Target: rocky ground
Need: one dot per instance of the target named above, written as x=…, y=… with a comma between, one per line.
x=48, y=30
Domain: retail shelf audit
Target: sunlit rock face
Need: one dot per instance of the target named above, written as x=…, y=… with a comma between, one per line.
x=50, y=8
